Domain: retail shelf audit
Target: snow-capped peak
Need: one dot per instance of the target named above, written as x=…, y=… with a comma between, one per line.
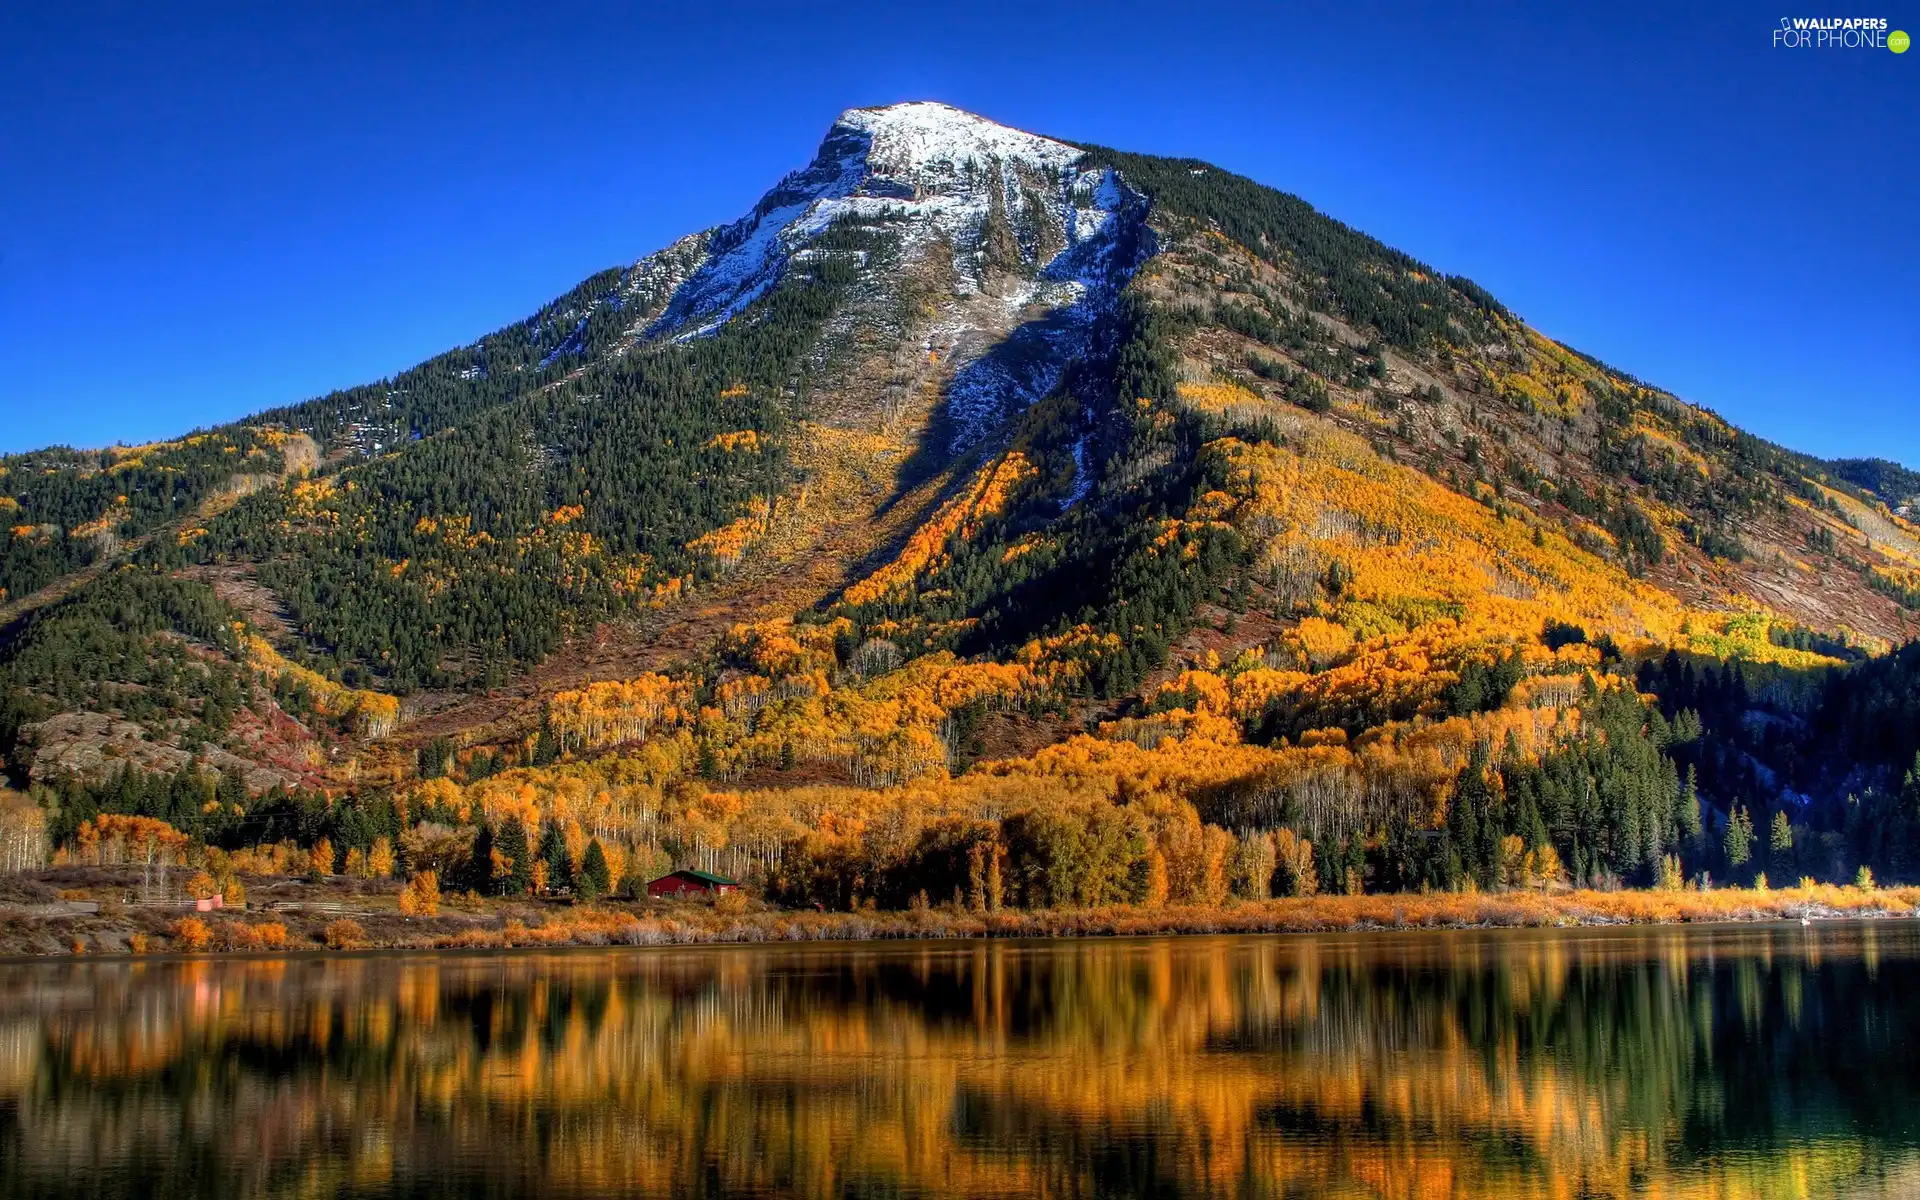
x=1009, y=217
x=924, y=137
x=927, y=163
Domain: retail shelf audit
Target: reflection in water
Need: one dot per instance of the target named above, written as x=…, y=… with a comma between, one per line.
x=1756, y=1061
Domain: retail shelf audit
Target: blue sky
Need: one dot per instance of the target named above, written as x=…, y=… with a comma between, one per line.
x=208, y=210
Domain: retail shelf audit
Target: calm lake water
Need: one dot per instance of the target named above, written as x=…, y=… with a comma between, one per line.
x=1724, y=1062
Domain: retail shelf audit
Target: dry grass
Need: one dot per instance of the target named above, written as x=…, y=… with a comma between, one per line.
x=695, y=924
x=497, y=925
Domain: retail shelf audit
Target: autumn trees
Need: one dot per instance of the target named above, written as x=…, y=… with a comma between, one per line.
x=114, y=839
x=23, y=833
x=604, y=715
x=421, y=896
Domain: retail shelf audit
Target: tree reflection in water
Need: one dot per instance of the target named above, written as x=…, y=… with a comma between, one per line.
x=1723, y=1062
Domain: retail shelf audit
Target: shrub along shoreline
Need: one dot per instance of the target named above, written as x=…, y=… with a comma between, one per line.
x=503, y=925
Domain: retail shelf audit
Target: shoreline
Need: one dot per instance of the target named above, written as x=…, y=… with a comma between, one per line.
x=494, y=925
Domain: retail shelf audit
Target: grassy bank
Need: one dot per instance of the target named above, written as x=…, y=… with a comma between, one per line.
x=342, y=915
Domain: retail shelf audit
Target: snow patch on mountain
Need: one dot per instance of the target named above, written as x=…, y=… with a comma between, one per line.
x=655, y=280
x=575, y=341
x=1082, y=477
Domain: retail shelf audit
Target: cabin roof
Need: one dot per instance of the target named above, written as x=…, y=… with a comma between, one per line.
x=702, y=876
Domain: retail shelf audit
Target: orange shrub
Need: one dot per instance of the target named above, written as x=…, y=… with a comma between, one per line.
x=191, y=934
x=344, y=934
x=268, y=935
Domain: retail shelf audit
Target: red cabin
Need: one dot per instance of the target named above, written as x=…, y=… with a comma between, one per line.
x=681, y=884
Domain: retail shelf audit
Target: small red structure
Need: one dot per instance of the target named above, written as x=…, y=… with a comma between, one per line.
x=680, y=884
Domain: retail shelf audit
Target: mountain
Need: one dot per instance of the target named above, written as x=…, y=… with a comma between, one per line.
x=976, y=496
x=1891, y=482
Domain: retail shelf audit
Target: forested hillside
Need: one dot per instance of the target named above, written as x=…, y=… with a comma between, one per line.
x=991, y=521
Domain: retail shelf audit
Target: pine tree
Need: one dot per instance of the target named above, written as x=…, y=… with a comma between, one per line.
x=512, y=845
x=594, y=880
x=553, y=852
x=1780, y=838
x=1906, y=822
x=479, y=871
x=1471, y=824
x=1739, y=839
x=546, y=748
x=1688, y=806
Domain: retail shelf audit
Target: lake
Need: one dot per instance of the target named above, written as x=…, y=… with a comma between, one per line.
x=1723, y=1061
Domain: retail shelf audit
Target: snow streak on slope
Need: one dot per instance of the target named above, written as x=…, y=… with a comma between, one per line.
x=1108, y=240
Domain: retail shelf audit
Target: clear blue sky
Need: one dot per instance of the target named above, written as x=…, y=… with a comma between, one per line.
x=205, y=211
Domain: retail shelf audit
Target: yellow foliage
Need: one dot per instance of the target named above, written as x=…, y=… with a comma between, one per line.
x=780, y=648
x=607, y=714
x=745, y=441
x=1414, y=551
x=373, y=714
x=728, y=544
x=421, y=896
x=104, y=523
x=114, y=838
x=308, y=499
x=191, y=934
x=1320, y=641
x=985, y=495
x=1746, y=635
